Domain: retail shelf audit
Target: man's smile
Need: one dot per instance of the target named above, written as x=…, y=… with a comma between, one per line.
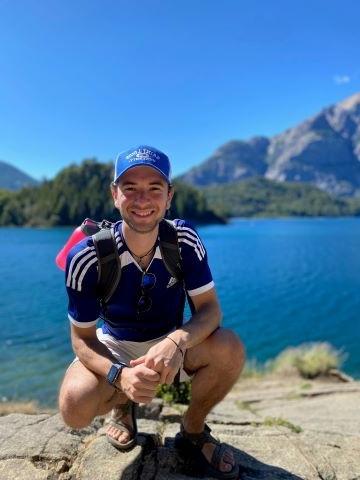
x=142, y=213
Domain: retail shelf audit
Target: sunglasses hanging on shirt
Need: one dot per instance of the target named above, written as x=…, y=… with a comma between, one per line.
x=148, y=281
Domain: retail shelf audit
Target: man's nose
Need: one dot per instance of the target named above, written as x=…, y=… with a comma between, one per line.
x=142, y=196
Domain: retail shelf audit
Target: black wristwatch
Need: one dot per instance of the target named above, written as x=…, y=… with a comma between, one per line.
x=115, y=372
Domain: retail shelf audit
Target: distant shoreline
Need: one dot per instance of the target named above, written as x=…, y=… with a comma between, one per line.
x=204, y=224
x=308, y=361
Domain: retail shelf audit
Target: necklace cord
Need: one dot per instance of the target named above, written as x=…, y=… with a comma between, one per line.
x=140, y=257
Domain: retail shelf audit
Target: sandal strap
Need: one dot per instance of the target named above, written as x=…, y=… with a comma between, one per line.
x=119, y=425
x=118, y=414
x=218, y=455
x=199, y=439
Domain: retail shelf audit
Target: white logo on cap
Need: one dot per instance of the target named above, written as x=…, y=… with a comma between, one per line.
x=143, y=154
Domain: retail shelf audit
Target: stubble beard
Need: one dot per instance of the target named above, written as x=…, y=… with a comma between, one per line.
x=143, y=229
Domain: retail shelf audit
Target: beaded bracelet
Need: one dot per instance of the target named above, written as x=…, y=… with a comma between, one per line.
x=182, y=353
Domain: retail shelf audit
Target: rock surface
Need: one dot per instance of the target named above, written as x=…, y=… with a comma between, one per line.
x=279, y=429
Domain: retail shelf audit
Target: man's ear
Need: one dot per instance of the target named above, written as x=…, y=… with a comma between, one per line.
x=114, y=193
x=170, y=197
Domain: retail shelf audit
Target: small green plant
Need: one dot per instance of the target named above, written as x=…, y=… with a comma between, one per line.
x=281, y=422
x=310, y=359
x=305, y=386
x=175, y=393
x=246, y=406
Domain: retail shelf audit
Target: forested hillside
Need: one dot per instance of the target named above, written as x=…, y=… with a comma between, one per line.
x=81, y=191
x=268, y=198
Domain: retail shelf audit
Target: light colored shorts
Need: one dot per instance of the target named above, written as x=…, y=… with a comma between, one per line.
x=125, y=350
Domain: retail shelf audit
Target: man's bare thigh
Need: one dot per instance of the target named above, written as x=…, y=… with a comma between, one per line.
x=212, y=349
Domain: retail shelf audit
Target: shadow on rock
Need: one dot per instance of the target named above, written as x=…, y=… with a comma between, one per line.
x=251, y=468
x=163, y=461
x=145, y=465
x=169, y=461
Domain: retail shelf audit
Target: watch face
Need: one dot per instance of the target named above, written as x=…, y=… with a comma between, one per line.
x=113, y=373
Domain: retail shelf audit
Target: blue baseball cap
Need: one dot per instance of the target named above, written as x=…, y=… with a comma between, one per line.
x=143, y=155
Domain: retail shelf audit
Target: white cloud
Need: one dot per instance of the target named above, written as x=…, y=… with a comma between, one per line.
x=341, y=79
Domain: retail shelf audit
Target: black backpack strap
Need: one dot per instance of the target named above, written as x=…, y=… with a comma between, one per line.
x=169, y=247
x=109, y=267
x=170, y=252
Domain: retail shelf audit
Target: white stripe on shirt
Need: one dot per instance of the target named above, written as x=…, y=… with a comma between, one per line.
x=192, y=233
x=203, y=289
x=118, y=240
x=90, y=257
x=73, y=261
x=83, y=273
x=82, y=324
x=183, y=240
x=194, y=239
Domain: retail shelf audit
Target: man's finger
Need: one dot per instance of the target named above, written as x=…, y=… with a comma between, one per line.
x=137, y=361
x=164, y=374
x=170, y=378
x=147, y=386
x=150, y=375
x=141, y=397
x=149, y=363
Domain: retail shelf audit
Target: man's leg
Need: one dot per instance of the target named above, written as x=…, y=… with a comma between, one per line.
x=84, y=395
x=216, y=363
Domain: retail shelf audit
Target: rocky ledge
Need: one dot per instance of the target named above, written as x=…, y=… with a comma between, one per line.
x=279, y=429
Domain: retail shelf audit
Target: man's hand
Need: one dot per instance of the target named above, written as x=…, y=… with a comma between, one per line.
x=164, y=358
x=139, y=383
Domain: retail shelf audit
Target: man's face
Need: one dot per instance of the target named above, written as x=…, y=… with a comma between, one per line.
x=142, y=197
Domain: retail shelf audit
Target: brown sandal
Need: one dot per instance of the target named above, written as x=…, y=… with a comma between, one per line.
x=191, y=444
x=117, y=414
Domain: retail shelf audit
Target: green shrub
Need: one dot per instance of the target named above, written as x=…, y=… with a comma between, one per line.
x=175, y=394
x=310, y=359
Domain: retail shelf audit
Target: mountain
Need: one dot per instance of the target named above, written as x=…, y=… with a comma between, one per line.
x=324, y=151
x=236, y=160
x=11, y=178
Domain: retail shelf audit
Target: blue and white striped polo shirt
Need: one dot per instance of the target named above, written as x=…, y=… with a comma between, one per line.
x=122, y=319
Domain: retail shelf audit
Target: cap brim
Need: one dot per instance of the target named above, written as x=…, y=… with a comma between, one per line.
x=144, y=165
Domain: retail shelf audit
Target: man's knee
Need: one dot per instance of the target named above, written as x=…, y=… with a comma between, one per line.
x=73, y=407
x=228, y=349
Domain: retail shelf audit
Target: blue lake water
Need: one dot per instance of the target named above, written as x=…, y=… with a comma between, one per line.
x=280, y=283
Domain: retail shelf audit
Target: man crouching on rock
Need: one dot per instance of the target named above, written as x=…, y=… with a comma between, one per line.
x=140, y=344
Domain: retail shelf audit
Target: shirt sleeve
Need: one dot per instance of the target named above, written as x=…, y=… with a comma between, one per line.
x=81, y=282
x=197, y=275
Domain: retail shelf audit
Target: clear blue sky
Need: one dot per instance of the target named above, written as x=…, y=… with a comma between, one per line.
x=91, y=78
